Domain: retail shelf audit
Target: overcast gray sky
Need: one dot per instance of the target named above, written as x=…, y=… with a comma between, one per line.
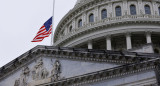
x=20, y=20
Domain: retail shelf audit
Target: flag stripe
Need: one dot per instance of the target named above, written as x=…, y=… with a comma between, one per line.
x=44, y=31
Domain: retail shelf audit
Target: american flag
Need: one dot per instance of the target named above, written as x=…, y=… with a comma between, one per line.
x=44, y=31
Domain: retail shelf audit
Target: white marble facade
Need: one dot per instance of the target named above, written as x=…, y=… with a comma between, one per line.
x=140, y=23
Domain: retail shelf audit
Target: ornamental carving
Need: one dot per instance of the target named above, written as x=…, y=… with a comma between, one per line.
x=23, y=80
x=55, y=73
x=39, y=71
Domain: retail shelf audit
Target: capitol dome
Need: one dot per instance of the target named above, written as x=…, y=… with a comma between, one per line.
x=111, y=25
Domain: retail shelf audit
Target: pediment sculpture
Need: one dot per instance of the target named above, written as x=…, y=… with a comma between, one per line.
x=39, y=71
x=23, y=80
x=56, y=71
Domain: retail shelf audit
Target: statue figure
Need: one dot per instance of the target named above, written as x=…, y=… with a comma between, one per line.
x=39, y=72
x=22, y=81
x=55, y=73
x=17, y=82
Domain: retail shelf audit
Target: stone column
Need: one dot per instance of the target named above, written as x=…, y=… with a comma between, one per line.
x=108, y=43
x=148, y=37
x=128, y=41
x=90, y=45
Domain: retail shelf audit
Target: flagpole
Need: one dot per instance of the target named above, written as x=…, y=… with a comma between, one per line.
x=52, y=23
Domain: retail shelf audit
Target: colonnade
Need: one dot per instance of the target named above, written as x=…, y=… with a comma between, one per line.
x=128, y=41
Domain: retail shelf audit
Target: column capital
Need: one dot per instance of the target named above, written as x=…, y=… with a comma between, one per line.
x=90, y=40
x=128, y=33
x=148, y=32
x=108, y=36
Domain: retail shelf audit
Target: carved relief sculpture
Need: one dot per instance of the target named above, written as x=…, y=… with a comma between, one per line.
x=55, y=73
x=22, y=81
x=39, y=71
x=17, y=82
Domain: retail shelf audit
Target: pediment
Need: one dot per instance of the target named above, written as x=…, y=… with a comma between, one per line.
x=45, y=64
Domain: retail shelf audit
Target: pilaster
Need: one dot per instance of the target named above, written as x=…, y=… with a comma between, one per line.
x=74, y=23
x=140, y=7
x=109, y=10
x=96, y=13
x=125, y=7
x=84, y=20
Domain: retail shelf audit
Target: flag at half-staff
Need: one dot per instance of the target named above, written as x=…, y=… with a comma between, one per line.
x=44, y=31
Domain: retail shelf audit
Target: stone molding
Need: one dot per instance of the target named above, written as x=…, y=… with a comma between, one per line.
x=107, y=74
x=73, y=53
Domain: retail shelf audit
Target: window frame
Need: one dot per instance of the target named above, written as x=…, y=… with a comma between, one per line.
x=70, y=28
x=118, y=11
x=91, y=18
x=159, y=10
x=80, y=23
x=103, y=15
x=147, y=11
x=133, y=11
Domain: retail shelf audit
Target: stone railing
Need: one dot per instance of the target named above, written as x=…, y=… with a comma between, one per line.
x=105, y=22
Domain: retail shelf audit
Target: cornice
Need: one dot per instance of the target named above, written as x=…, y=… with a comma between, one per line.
x=75, y=54
x=107, y=73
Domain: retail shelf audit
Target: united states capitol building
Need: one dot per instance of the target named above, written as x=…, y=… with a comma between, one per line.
x=97, y=43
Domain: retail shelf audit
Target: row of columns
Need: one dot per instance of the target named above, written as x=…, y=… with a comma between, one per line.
x=128, y=41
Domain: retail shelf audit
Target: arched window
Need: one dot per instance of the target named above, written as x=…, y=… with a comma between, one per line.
x=104, y=13
x=91, y=18
x=159, y=11
x=133, y=10
x=70, y=28
x=147, y=9
x=80, y=23
x=118, y=11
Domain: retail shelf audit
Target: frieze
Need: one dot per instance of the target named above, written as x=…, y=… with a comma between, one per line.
x=39, y=71
x=56, y=71
x=109, y=73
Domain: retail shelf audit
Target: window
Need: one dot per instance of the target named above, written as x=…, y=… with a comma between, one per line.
x=70, y=28
x=159, y=11
x=118, y=11
x=133, y=10
x=147, y=9
x=80, y=23
x=104, y=13
x=91, y=18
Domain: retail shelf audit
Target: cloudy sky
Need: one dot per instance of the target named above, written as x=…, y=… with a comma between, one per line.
x=20, y=20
